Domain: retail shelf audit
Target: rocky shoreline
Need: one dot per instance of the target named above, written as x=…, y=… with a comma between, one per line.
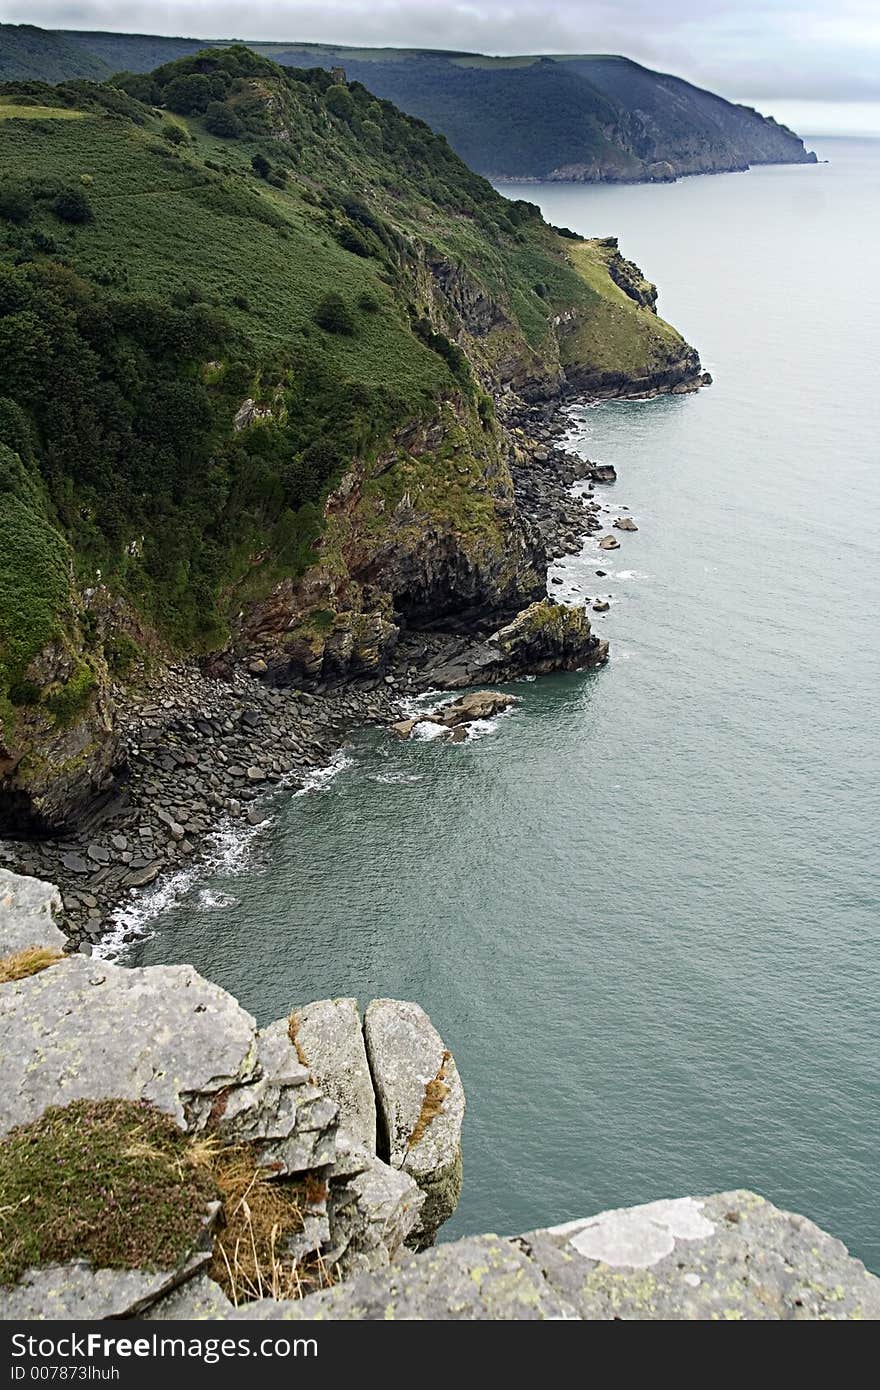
x=201, y=754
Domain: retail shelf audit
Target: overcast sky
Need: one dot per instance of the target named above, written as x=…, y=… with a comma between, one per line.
x=817, y=50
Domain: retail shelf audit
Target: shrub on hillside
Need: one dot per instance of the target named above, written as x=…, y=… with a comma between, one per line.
x=16, y=202
x=189, y=95
x=72, y=205
x=261, y=166
x=340, y=101
x=334, y=315
x=174, y=134
x=220, y=119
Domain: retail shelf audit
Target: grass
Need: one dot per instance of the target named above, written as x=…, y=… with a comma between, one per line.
x=612, y=332
x=29, y=961
x=111, y=1182
x=117, y=1184
x=11, y=112
x=260, y=1214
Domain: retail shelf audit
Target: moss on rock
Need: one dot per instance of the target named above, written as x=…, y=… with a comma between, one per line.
x=112, y=1182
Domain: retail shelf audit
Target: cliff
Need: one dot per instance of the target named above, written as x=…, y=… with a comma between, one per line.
x=571, y=117
x=260, y=334
x=251, y=1168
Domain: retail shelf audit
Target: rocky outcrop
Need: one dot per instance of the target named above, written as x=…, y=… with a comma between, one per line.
x=420, y=1104
x=29, y=910
x=456, y=715
x=546, y=636
x=681, y=374
x=729, y=1257
x=298, y=1097
x=59, y=748
x=628, y=277
x=429, y=532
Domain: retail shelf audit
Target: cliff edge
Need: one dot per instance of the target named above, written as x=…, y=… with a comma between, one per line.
x=285, y=1172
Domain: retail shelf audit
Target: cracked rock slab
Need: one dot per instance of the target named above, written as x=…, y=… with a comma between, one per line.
x=28, y=908
x=90, y=1030
x=420, y=1102
x=330, y=1040
x=77, y=1291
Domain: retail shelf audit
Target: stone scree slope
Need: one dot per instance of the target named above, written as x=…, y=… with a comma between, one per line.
x=311, y=1093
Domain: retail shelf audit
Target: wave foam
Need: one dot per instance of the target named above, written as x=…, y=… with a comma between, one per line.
x=229, y=852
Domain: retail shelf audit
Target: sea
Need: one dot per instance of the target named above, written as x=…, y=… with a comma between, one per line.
x=642, y=908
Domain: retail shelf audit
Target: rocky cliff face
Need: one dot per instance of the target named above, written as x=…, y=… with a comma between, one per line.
x=360, y=1140
x=345, y=1136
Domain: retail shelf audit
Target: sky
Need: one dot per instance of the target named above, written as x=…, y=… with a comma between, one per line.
x=816, y=56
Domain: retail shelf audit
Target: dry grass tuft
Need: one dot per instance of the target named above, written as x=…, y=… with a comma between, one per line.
x=30, y=961
x=260, y=1214
x=436, y=1092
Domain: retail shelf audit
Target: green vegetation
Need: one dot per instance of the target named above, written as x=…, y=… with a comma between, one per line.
x=521, y=116
x=34, y=574
x=223, y=231
x=112, y=1182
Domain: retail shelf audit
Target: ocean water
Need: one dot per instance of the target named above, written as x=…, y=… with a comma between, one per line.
x=643, y=908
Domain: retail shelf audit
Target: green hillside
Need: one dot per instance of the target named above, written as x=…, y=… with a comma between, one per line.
x=580, y=117
x=28, y=52
x=223, y=287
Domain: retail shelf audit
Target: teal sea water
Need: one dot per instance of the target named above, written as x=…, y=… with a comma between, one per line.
x=643, y=909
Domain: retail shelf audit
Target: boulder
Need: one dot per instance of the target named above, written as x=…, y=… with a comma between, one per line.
x=329, y=1041
x=609, y=543
x=28, y=909
x=479, y=704
x=420, y=1102
x=372, y=1216
x=602, y=473
x=729, y=1257
x=404, y=727
x=480, y=1278
x=90, y=1030
x=77, y=1291
x=601, y=605
x=625, y=523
